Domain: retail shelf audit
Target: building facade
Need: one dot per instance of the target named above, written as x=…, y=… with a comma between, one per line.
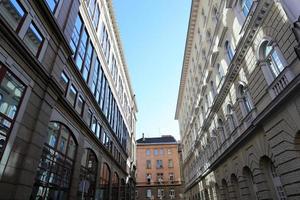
x=238, y=106
x=67, y=107
x=158, y=169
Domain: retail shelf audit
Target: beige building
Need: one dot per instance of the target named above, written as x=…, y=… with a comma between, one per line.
x=239, y=100
x=158, y=168
x=67, y=108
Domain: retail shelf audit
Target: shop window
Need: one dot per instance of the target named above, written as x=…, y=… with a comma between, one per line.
x=88, y=175
x=11, y=94
x=33, y=39
x=105, y=181
x=13, y=12
x=55, y=167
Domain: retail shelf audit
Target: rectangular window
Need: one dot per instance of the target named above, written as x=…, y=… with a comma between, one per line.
x=105, y=43
x=98, y=131
x=33, y=39
x=89, y=118
x=81, y=50
x=148, y=194
x=102, y=94
x=96, y=17
x=155, y=152
x=13, y=12
x=161, y=151
x=91, y=7
x=148, y=164
x=76, y=34
x=94, y=124
x=52, y=4
x=171, y=177
x=95, y=78
x=148, y=177
x=160, y=193
x=160, y=177
x=79, y=105
x=172, y=193
x=64, y=80
x=159, y=164
x=87, y=62
x=170, y=163
x=169, y=151
x=72, y=95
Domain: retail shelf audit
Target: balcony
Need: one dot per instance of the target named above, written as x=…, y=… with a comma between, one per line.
x=280, y=82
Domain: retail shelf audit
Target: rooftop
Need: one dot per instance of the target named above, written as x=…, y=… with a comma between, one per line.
x=165, y=139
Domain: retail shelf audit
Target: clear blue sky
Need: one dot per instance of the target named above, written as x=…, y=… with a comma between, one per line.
x=153, y=34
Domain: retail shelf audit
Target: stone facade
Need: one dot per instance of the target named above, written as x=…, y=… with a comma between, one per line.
x=238, y=102
x=49, y=108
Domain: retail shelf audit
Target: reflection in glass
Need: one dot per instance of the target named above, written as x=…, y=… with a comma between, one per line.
x=12, y=11
x=33, y=39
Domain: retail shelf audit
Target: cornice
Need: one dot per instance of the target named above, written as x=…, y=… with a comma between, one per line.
x=187, y=52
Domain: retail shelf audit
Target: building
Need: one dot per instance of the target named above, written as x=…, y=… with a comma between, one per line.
x=158, y=169
x=67, y=107
x=238, y=102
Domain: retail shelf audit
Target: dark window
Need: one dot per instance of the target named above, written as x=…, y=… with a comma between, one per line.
x=115, y=187
x=54, y=172
x=159, y=164
x=64, y=80
x=52, y=4
x=229, y=50
x=88, y=175
x=13, y=12
x=148, y=164
x=11, y=93
x=72, y=95
x=105, y=181
x=79, y=105
x=33, y=39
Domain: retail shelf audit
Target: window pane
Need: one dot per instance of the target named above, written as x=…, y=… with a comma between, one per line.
x=81, y=50
x=76, y=33
x=94, y=124
x=64, y=80
x=52, y=4
x=87, y=62
x=12, y=11
x=72, y=95
x=33, y=39
x=96, y=17
x=80, y=104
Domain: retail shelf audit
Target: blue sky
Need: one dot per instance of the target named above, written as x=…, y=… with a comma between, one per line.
x=153, y=34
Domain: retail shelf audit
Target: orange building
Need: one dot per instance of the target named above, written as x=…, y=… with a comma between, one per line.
x=158, y=169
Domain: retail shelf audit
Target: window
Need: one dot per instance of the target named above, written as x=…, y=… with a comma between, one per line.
x=87, y=62
x=160, y=193
x=13, y=12
x=88, y=175
x=11, y=93
x=33, y=39
x=250, y=184
x=171, y=177
x=172, y=193
x=246, y=5
x=52, y=4
x=64, y=80
x=76, y=34
x=105, y=43
x=245, y=99
x=155, y=152
x=169, y=151
x=94, y=124
x=160, y=177
x=148, y=177
x=79, y=105
x=159, y=164
x=89, y=118
x=72, y=95
x=148, y=193
x=148, y=152
x=229, y=50
x=94, y=12
x=105, y=181
x=115, y=187
x=161, y=151
x=170, y=163
x=148, y=164
x=51, y=181
x=231, y=117
x=98, y=130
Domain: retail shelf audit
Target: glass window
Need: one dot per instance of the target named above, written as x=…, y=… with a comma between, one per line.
x=245, y=98
x=88, y=175
x=148, y=164
x=155, y=152
x=159, y=164
x=160, y=193
x=172, y=193
x=79, y=104
x=98, y=131
x=52, y=4
x=105, y=43
x=273, y=59
x=11, y=93
x=72, y=94
x=105, y=181
x=148, y=152
x=170, y=163
x=96, y=17
x=13, y=12
x=229, y=50
x=246, y=5
x=95, y=78
x=148, y=194
x=55, y=167
x=160, y=177
x=161, y=151
x=33, y=39
x=64, y=80
x=115, y=187
x=76, y=34
x=94, y=124
x=171, y=176
x=81, y=50
x=169, y=151
x=87, y=62
x=91, y=7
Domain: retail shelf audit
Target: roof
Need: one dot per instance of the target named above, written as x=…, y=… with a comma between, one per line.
x=157, y=140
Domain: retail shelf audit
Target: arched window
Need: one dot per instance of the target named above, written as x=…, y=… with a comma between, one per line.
x=225, y=193
x=229, y=50
x=250, y=184
x=104, y=182
x=245, y=99
x=270, y=53
x=246, y=5
x=273, y=179
x=55, y=168
x=231, y=117
x=88, y=175
x=122, y=189
x=115, y=187
x=235, y=187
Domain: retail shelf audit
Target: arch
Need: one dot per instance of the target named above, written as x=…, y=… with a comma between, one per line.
x=105, y=181
x=235, y=187
x=59, y=150
x=225, y=193
x=272, y=178
x=122, y=189
x=88, y=175
x=249, y=183
x=115, y=186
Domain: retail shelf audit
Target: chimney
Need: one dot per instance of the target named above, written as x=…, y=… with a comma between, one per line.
x=143, y=137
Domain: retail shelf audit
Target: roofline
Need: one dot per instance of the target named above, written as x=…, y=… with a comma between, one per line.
x=120, y=46
x=187, y=52
x=145, y=144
